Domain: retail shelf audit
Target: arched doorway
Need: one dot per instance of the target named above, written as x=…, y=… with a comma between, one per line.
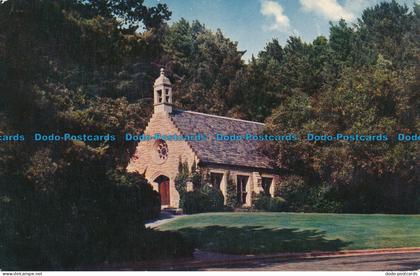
x=163, y=182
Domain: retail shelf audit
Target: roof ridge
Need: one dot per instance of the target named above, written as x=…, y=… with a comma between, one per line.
x=222, y=117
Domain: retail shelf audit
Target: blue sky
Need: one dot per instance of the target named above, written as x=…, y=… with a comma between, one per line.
x=253, y=23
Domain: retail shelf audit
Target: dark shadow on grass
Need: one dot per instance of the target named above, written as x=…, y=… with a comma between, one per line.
x=259, y=240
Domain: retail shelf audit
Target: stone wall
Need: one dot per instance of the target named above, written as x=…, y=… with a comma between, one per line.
x=254, y=180
x=160, y=122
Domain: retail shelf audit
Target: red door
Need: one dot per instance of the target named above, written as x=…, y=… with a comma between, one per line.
x=164, y=192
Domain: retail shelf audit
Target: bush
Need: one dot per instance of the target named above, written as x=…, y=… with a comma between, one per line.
x=181, y=181
x=231, y=197
x=204, y=199
x=152, y=245
x=144, y=199
x=304, y=197
x=84, y=223
x=270, y=204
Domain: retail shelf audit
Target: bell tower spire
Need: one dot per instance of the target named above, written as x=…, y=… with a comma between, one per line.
x=162, y=93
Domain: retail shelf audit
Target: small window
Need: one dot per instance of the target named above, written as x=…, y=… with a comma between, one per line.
x=216, y=180
x=241, y=193
x=159, y=95
x=167, y=97
x=266, y=185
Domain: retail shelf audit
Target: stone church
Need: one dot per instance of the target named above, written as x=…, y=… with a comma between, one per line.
x=250, y=171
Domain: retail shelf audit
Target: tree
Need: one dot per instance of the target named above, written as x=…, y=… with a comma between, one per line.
x=61, y=67
x=203, y=64
x=132, y=13
x=368, y=86
x=341, y=40
x=387, y=26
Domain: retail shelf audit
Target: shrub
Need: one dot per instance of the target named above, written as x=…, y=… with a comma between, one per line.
x=303, y=197
x=134, y=187
x=231, y=199
x=204, y=199
x=153, y=245
x=181, y=181
x=84, y=223
x=270, y=204
x=295, y=192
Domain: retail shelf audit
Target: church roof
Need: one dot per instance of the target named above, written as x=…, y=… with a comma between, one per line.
x=162, y=79
x=235, y=153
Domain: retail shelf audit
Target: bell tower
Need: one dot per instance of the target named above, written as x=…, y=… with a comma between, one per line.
x=162, y=93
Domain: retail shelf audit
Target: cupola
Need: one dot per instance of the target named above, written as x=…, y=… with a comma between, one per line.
x=162, y=93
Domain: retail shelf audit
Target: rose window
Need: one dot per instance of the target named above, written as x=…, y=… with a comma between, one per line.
x=161, y=151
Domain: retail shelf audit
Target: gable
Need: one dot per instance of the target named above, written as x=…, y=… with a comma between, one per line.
x=145, y=156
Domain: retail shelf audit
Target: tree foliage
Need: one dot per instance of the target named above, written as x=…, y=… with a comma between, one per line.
x=203, y=64
x=65, y=68
x=88, y=67
x=374, y=91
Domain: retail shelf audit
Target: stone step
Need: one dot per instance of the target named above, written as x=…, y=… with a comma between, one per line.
x=174, y=211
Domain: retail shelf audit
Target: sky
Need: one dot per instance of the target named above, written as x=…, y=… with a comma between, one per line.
x=253, y=23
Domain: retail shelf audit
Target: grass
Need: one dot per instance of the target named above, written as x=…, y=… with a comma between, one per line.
x=264, y=233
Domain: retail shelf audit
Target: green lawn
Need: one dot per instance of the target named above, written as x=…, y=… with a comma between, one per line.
x=259, y=233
